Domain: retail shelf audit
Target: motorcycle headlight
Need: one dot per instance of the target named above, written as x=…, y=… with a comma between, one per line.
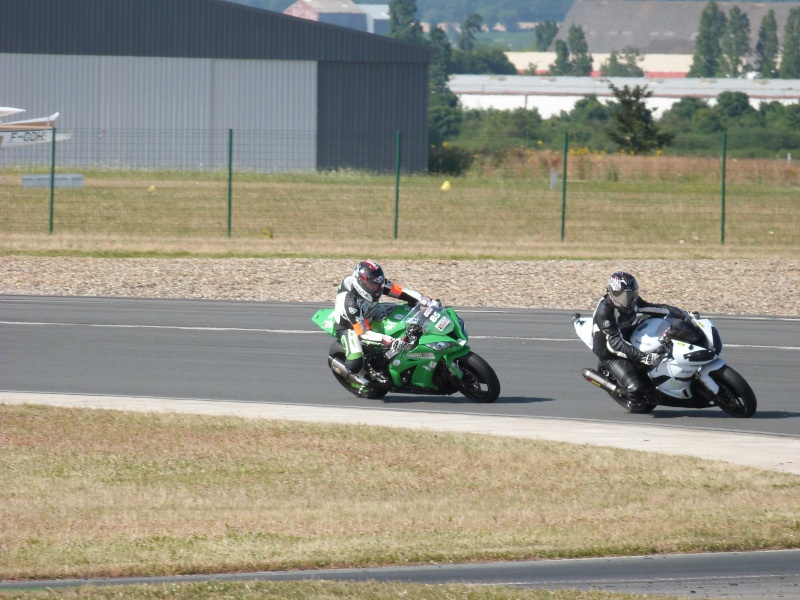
x=439, y=346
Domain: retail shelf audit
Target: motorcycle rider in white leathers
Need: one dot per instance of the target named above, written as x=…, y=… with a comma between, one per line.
x=356, y=300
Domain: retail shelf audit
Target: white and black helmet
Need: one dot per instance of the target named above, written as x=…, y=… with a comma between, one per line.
x=623, y=290
x=368, y=280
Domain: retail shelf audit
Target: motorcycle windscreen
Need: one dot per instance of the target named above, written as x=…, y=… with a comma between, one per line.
x=645, y=337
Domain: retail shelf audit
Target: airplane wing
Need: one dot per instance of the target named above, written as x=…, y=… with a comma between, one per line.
x=29, y=131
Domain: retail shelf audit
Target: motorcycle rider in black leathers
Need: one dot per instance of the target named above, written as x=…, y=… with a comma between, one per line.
x=618, y=313
x=356, y=300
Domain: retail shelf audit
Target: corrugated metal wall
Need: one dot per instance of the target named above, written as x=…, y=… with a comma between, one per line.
x=164, y=96
x=371, y=102
x=212, y=65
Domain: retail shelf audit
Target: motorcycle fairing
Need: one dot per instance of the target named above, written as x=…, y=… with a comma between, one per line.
x=324, y=320
x=711, y=333
x=440, y=326
x=704, y=375
x=583, y=327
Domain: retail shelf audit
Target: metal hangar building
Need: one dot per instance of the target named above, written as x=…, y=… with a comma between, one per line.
x=317, y=96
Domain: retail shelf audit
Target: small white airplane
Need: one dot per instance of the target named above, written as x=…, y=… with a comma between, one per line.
x=14, y=134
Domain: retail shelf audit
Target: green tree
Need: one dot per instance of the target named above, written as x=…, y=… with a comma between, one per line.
x=707, y=46
x=589, y=111
x=588, y=124
x=706, y=120
x=790, y=57
x=733, y=105
x=483, y=60
x=735, y=112
x=403, y=24
x=685, y=108
x=678, y=118
x=735, y=44
x=563, y=65
x=440, y=63
x=634, y=127
x=518, y=126
x=544, y=33
x=444, y=116
x=471, y=26
x=767, y=46
x=579, y=51
x=572, y=56
x=627, y=67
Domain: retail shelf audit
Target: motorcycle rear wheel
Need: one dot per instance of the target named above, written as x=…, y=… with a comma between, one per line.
x=371, y=392
x=735, y=395
x=480, y=382
x=637, y=408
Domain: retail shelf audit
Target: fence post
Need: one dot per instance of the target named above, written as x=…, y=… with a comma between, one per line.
x=564, y=188
x=230, y=179
x=52, y=178
x=722, y=217
x=396, y=182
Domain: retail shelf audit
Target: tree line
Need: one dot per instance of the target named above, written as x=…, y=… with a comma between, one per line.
x=508, y=12
x=722, y=46
x=690, y=127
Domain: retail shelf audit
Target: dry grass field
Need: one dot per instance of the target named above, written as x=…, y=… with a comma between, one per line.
x=657, y=205
x=97, y=493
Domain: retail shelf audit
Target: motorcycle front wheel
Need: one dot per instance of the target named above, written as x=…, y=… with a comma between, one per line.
x=372, y=392
x=735, y=395
x=480, y=382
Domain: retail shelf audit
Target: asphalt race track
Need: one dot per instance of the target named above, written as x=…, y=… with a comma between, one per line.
x=271, y=353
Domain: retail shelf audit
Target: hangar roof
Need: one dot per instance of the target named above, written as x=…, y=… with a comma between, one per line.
x=187, y=29
x=522, y=85
x=655, y=26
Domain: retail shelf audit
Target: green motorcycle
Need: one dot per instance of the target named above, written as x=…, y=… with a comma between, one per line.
x=436, y=359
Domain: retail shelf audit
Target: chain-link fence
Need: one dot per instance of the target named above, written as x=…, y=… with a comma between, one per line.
x=265, y=184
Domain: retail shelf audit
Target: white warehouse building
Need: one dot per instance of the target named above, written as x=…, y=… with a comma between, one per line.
x=550, y=95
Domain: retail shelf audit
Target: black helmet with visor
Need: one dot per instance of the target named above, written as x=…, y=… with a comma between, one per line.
x=623, y=290
x=369, y=280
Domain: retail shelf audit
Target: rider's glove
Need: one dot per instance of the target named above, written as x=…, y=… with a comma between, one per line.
x=695, y=314
x=652, y=359
x=425, y=301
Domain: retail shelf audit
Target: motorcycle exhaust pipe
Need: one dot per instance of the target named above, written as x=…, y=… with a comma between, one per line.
x=597, y=379
x=340, y=369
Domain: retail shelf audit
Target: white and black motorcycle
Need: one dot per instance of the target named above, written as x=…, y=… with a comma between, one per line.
x=691, y=373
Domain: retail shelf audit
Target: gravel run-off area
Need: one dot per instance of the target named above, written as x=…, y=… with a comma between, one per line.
x=730, y=286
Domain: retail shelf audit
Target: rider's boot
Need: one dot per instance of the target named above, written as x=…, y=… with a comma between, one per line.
x=638, y=395
x=360, y=377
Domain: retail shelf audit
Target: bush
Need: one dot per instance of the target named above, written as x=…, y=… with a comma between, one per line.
x=449, y=160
